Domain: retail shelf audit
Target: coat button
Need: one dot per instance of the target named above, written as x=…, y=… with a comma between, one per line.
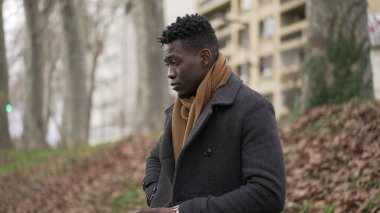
x=207, y=152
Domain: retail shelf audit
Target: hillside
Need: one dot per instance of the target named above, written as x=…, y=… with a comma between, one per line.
x=332, y=159
x=332, y=156
x=105, y=179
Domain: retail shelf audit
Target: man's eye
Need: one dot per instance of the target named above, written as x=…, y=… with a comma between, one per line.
x=171, y=63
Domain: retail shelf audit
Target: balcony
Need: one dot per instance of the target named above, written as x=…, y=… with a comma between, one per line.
x=294, y=27
x=294, y=43
x=220, y=25
x=293, y=13
x=291, y=4
x=293, y=35
x=209, y=7
x=292, y=69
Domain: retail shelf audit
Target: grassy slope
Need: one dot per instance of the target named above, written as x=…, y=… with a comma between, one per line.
x=13, y=161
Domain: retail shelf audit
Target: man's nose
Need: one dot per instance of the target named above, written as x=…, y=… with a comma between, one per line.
x=171, y=73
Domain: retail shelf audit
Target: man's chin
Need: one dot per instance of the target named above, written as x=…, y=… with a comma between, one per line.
x=182, y=96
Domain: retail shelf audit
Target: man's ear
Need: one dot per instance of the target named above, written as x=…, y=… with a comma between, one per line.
x=206, y=56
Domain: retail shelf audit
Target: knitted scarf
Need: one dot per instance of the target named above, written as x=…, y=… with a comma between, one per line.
x=187, y=111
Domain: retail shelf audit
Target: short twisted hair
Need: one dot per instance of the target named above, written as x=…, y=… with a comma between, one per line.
x=195, y=32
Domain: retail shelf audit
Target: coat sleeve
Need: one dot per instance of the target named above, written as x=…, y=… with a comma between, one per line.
x=262, y=168
x=153, y=169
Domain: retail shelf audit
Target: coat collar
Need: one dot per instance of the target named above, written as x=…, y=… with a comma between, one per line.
x=225, y=95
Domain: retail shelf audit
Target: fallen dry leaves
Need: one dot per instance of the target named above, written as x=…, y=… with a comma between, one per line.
x=332, y=158
x=88, y=184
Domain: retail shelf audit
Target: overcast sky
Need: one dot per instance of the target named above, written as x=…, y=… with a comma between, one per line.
x=174, y=8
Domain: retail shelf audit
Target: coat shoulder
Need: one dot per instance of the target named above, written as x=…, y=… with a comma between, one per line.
x=249, y=98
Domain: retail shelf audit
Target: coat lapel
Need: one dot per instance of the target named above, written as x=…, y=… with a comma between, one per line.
x=167, y=155
x=205, y=115
x=222, y=97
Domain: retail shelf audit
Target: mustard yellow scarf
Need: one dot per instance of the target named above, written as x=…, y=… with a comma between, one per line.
x=187, y=111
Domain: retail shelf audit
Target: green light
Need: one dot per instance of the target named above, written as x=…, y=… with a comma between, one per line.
x=8, y=108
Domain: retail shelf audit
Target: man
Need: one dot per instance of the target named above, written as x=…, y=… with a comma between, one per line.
x=220, y=151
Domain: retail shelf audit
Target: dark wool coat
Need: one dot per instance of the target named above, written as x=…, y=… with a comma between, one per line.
x=232, y=161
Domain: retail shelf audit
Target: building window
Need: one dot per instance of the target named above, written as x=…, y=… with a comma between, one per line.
x=290, y=98
x=219, y=13
x=245, y=5
x=291, y=36
x=292, y=57
x=243, y=72
x=267, y=27
x=266, y=66
x=244, y=37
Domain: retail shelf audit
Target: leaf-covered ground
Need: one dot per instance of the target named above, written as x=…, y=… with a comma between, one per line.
x=107, y=180
x=332, y=163
x=333, y=159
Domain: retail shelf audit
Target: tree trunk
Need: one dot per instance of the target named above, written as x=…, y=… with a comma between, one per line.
x=338, y=53
x=95, y=25
x=33, y=128
x=74, y=111
x=94, y=62
x=5, y=140
x=52, y=52
x=152, y=87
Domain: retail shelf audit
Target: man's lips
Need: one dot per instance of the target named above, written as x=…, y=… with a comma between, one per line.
x=175, y=85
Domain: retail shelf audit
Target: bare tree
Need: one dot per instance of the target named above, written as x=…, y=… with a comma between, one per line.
x=33, y=117
x=52, y=73
x=75, y=93
x=5, y=140
x=152, y=91
x=95, y=24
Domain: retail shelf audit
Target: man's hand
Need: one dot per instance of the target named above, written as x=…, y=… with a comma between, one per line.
x=157, y=210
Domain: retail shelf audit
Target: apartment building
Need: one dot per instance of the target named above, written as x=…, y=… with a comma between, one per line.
x=263, y=40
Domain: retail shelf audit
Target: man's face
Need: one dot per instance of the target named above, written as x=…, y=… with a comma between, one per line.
x=185, y=69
